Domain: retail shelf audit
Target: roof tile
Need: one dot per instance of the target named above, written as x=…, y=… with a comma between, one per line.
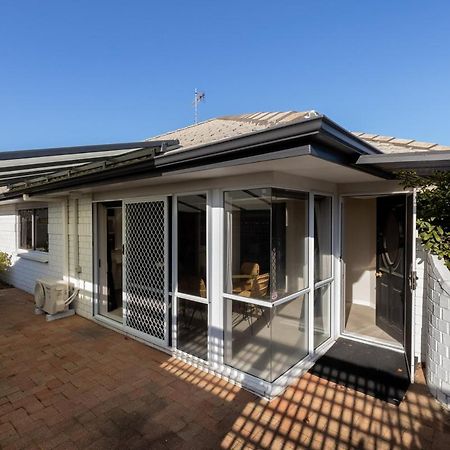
x=368, y=136
x=398, y=141
x=383, y=138
x=420, y=144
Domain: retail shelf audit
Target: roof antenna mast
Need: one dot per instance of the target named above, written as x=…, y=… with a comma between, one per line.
x=198, y=97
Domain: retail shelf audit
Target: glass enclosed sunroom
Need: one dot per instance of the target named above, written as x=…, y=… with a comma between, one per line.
x=237, y=280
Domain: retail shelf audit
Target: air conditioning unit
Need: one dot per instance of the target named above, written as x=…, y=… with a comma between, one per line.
x=50, y=295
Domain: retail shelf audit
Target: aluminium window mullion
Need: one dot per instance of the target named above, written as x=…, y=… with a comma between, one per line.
x=174, y=271
x=310, y=303
x=321, y=283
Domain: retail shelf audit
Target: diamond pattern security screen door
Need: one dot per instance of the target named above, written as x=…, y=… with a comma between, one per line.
x=146, y=270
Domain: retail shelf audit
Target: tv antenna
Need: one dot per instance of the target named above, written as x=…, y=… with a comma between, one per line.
x=198, y=97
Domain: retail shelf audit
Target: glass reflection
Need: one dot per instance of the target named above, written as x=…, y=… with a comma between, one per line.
x=192, y=328
x=192, y=245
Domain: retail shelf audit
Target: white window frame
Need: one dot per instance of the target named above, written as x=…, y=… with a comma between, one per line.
x=174, y=293
x=33, y=230
x=308, y=292
x=330, y=281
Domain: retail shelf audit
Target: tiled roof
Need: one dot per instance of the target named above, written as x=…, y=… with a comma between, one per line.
x=227, y=127
x=391, y=144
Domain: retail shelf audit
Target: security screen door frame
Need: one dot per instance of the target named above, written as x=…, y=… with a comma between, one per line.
x=132, y=324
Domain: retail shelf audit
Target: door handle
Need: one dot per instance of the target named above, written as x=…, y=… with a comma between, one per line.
x=378, y=274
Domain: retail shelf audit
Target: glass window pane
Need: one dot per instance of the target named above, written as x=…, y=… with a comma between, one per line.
x=265, y=342
x=322, y=300
x=26, y=229
x=322, y=238
x=41, y=229
x=289, y=252
x=247, y=338
x=289, y=335
x=192, y=327
x=247, y=237
x=192, y=245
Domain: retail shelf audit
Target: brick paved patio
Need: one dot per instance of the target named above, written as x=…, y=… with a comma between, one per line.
x=74, y=384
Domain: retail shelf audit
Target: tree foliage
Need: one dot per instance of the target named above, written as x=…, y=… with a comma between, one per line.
x=433, y=210
x=5, y=261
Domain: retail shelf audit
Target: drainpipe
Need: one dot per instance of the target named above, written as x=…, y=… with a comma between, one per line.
x=65, y=215
x=76, y=240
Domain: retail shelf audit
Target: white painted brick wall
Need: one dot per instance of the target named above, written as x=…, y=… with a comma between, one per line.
x=437, y=299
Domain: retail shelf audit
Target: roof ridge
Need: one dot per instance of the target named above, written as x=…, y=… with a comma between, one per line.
x=400, y=142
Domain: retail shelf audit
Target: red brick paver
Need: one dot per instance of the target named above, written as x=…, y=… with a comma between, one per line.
x=74, y=384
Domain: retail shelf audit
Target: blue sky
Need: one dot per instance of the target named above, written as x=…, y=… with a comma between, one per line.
x=86, y=72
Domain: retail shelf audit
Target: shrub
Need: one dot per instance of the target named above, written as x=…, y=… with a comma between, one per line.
x=433, y=210
x=5, y=261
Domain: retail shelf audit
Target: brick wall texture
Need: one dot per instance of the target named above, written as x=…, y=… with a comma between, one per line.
x=438, y=329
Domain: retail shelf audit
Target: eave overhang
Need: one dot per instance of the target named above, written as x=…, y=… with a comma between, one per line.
x=423, y=163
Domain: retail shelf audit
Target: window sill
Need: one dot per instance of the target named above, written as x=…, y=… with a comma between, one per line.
x=33, y=256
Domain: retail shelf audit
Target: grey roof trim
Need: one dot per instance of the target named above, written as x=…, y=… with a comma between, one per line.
x=420, y=161
x=39, y=166
x=36, y=153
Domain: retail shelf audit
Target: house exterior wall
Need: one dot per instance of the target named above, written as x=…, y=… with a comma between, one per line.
x=437, y=324
x=28, y=266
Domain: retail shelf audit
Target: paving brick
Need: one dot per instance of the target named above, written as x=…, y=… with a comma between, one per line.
x=98, y=390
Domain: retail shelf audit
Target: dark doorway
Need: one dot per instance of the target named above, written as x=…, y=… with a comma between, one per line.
x=110, y=259
x=391, y=265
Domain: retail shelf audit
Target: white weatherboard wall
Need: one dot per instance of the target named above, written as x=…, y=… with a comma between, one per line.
x=24, y=271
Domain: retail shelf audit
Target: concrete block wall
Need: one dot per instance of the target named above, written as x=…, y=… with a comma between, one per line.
x=438, y=329
x=24, y=270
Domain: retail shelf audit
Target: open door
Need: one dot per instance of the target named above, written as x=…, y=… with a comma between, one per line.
x=391, y=265
x=109, y=248
x=410, y=283
x=395, y=234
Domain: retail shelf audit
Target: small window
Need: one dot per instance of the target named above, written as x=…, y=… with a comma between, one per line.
x=33, y=229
